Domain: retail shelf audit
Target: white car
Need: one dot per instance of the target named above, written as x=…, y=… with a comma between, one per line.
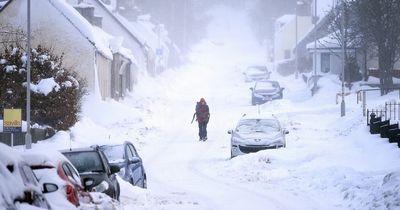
x=253, y=134
x=256, y=73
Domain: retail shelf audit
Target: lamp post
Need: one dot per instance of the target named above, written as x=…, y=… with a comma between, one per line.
x=315, y=19
x=342, y=104
x=296, y=75
x=28, y=137
x=298, y=3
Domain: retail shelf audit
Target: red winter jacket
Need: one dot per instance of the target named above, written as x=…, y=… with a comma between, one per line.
x=202, y=112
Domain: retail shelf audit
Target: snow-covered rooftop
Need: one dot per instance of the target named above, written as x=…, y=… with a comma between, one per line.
x=325, y=42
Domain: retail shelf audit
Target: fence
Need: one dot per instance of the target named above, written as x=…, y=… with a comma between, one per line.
x=362, y=97
x=390, y=112
x=376, y=73
x=38, y=134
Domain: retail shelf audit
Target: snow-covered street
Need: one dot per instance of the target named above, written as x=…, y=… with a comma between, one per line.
x=326, y=165
x=330, y=162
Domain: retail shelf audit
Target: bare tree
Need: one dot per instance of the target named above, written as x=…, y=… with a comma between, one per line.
x=378, y=22
x=10, y=35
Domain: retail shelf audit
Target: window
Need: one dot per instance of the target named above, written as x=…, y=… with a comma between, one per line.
x=114, y=153
x=71, y=173
x=86, y=161
x=129, y=152
x=27, y=175
x=287, y=54
x=325, y=62
x=133, y=150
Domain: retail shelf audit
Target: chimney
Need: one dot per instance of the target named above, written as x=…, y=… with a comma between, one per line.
x=87, y=11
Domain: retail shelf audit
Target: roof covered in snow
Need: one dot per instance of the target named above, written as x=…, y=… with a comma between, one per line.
x=2, y=3
x=325, y=42
x=328, y=42
x=70, y=15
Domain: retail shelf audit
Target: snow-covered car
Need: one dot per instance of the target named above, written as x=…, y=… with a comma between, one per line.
x=264, y=91
x=128, y=159
x=18, y=184
x=97, y=175
x=253, y=134
x=55, y=168
x=256, y=73
x=11, y=190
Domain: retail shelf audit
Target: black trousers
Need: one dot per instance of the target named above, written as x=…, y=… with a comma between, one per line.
x=202, y=130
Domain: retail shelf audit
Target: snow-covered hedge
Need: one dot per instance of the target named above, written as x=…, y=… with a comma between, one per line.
x=56, y=92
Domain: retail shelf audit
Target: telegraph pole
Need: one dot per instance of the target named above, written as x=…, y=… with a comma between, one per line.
x=28, y=137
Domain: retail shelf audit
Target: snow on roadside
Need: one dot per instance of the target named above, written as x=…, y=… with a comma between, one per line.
x=326, y=154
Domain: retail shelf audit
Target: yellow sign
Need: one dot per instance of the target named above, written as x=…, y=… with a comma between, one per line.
x=12, y=122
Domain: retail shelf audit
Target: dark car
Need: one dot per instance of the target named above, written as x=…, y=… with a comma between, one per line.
x=97, y=175
x=18, y=182
x=264, y=91
x=127, y=158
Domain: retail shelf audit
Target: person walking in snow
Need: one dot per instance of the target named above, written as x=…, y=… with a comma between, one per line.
x=202, y=115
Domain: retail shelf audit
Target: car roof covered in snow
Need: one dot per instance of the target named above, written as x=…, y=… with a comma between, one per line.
x=37, y=158
x=9, y=155
x=81, y=149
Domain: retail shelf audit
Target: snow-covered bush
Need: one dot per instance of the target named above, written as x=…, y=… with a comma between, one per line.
x=56, y=92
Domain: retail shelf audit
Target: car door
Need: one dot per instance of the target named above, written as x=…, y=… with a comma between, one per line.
x=134, y=166
x=29, y=179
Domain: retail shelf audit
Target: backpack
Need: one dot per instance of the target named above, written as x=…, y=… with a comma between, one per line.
x=202, y=112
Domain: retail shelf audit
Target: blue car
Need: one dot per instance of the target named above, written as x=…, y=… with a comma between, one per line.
x=264, y=91
x=131, y=165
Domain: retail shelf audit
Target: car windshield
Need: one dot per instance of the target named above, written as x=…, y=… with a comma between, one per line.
x=266, y=86
x=86, y=161
x=115, y=152
x=257, y=125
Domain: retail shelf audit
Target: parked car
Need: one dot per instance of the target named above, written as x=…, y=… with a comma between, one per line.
x=264, y=91
x=256, y=73
x=19, y=184
x=55, y=168
x=253, y=134
x=127, y=158
x=96, y=173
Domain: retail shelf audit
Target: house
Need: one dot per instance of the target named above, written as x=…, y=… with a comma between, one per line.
x=326, y=53
x=145, y=45
x=85, y=48
x=329, y=55
x=285, y=35
x=289, y=29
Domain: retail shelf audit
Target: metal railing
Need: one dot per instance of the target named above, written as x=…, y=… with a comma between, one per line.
x=390, y=112
x=378, y=113
x=362, y=97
